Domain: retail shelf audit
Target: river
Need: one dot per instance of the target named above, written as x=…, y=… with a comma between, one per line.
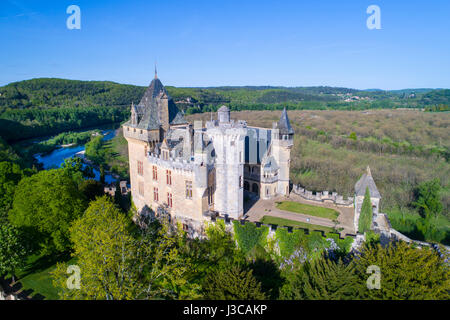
x=57, y=157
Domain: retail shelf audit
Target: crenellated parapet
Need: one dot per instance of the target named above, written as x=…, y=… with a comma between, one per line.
x=323, y=196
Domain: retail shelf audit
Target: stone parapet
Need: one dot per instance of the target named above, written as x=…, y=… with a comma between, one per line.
x=323, y=196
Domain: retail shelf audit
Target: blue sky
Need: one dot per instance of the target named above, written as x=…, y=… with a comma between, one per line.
x=212, y=43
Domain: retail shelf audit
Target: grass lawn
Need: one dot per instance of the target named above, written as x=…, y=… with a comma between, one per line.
x=36, y=275
x=308, y=209
x=292, y=223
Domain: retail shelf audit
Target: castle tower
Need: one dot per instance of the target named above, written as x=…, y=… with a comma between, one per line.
x=282, y=142
x=366, y=181
x=224, y=114
x=150, y=120
x=228, y=140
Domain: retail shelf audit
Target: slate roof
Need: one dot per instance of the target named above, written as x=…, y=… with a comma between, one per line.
x=149, y=111
x=270, y=164
x=367, y=181
x=284, y=125
x=223, y=109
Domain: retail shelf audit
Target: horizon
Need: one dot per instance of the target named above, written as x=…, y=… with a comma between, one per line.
x=230, y=86
x=229, y=44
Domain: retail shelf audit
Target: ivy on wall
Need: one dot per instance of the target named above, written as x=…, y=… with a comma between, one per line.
x=288, y=242
x=314, y=243
x=248, y=236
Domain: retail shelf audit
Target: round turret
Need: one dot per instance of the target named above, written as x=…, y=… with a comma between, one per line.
x=224, y=114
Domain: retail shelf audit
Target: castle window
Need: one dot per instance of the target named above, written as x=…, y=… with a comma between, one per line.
x=169, y=177
x=169, y=200
x=267, y=191
x=155, y=173
x=189, y=189
x=210, y=195
x=141, y=131
x=134, y=130
x=140, y=168
x=155, y=194
x=145, y=151
x=185, y=227
x=128, y=128
x=141, y=188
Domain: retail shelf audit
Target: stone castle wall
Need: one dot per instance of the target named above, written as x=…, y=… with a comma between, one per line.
x=323, y=196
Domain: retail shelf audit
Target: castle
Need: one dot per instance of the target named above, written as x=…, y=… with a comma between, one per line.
x=197, y=171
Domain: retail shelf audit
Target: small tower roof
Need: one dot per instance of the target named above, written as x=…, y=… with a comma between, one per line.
x=223, y=109
x=367, y=181
x=284, y=124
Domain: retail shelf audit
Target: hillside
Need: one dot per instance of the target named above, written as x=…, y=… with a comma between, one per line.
x=47, y=106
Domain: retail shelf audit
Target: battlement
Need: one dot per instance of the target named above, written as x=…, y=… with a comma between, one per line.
x=176, y=164
x=323, y=196
x=272, y=227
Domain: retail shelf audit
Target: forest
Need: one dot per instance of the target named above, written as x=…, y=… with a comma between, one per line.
x=47, y=106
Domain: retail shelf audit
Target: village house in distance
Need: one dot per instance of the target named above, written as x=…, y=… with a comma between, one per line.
x=195, y=171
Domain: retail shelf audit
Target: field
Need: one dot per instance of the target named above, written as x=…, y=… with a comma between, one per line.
x=291, y=223
x=308, y=209
x=332, y=149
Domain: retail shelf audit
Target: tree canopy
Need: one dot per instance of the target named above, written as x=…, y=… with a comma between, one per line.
x=45, y=204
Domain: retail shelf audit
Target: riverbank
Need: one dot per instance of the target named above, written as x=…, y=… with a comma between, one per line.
x=111, y=153
x=57, y=156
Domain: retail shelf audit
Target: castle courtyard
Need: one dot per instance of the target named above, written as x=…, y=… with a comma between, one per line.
x=268, y=207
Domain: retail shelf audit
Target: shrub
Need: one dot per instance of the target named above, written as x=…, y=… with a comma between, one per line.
x=365, y=218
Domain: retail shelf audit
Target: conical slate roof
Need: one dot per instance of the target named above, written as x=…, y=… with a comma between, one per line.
x=151, y=110
x=367, y=181
x=284, y=125
x=223, y=109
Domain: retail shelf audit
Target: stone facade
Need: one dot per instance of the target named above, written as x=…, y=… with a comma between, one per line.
x=195, y=172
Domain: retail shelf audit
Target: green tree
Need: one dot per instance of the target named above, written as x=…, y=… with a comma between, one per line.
x=232, y=283
x=429, y=199
x=406, y=272
x=10, y=175
x=329, y=280
x=102, y=174
x=104, y=250
x=74, y=166
x=12, y=251
x=117, y=263
x=91, y=189
x=323, y=279
x=353, y=136
x=45, y=204
x=365, y=217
